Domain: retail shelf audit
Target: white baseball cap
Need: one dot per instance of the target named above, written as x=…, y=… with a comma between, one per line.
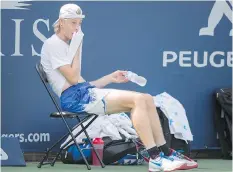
x=70, y=11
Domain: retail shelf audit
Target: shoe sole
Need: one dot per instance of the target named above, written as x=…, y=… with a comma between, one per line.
x=182, y=167
x=187, y=167
x=178, y=168
x=156, y=170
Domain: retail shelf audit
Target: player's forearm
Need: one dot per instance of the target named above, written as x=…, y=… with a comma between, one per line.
x=102, y=82
x=76, y=64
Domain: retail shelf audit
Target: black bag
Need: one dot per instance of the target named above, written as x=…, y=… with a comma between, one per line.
x=223, y=120
x=114, y=150
x=172, y=142
x=117, y=149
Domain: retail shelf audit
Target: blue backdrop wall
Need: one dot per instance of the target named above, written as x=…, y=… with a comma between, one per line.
x=158, y=40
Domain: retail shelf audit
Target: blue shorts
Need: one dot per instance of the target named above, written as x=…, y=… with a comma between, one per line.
x=84, y=97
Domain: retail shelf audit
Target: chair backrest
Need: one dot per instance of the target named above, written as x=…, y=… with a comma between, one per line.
x=44, y=79
x=41, y=72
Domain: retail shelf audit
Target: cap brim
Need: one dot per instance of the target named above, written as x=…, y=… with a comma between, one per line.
x=81, y=16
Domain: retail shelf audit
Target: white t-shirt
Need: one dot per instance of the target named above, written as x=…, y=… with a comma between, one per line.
x=54, y=55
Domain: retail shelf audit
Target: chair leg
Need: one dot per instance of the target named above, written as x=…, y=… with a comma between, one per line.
x=55, y=159
x=78, y=132
x=45, y=157
x=57, y=155
x=97, y=154
x=47, y=154
x=48, y=150
x=83, y=129
x=76, y=143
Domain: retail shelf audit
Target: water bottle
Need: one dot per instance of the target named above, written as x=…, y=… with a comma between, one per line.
x=98, y=144
x=133, y=77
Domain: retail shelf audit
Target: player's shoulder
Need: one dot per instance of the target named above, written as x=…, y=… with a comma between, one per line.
x=51, y=41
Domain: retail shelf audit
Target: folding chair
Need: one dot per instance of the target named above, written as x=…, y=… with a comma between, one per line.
x=81, y=117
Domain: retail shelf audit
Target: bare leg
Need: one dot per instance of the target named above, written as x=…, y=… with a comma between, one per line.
x=155, y=122
x=146, y=122
x=119, y=101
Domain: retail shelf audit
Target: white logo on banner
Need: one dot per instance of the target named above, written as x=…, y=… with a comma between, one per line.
x=20, y=5
x=3, y=155
x=197, y=59
x=188, y=58
x=219, y=9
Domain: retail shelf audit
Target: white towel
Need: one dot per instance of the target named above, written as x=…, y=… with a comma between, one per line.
x=175, y=112
x=105, y=125
x=76, y=41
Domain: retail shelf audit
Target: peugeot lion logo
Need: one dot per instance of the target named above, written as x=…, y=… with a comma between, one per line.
x=219, y=9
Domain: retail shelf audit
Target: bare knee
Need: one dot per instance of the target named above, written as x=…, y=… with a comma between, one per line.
x=149, y=101
x=140, y=100
x=144, y=100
